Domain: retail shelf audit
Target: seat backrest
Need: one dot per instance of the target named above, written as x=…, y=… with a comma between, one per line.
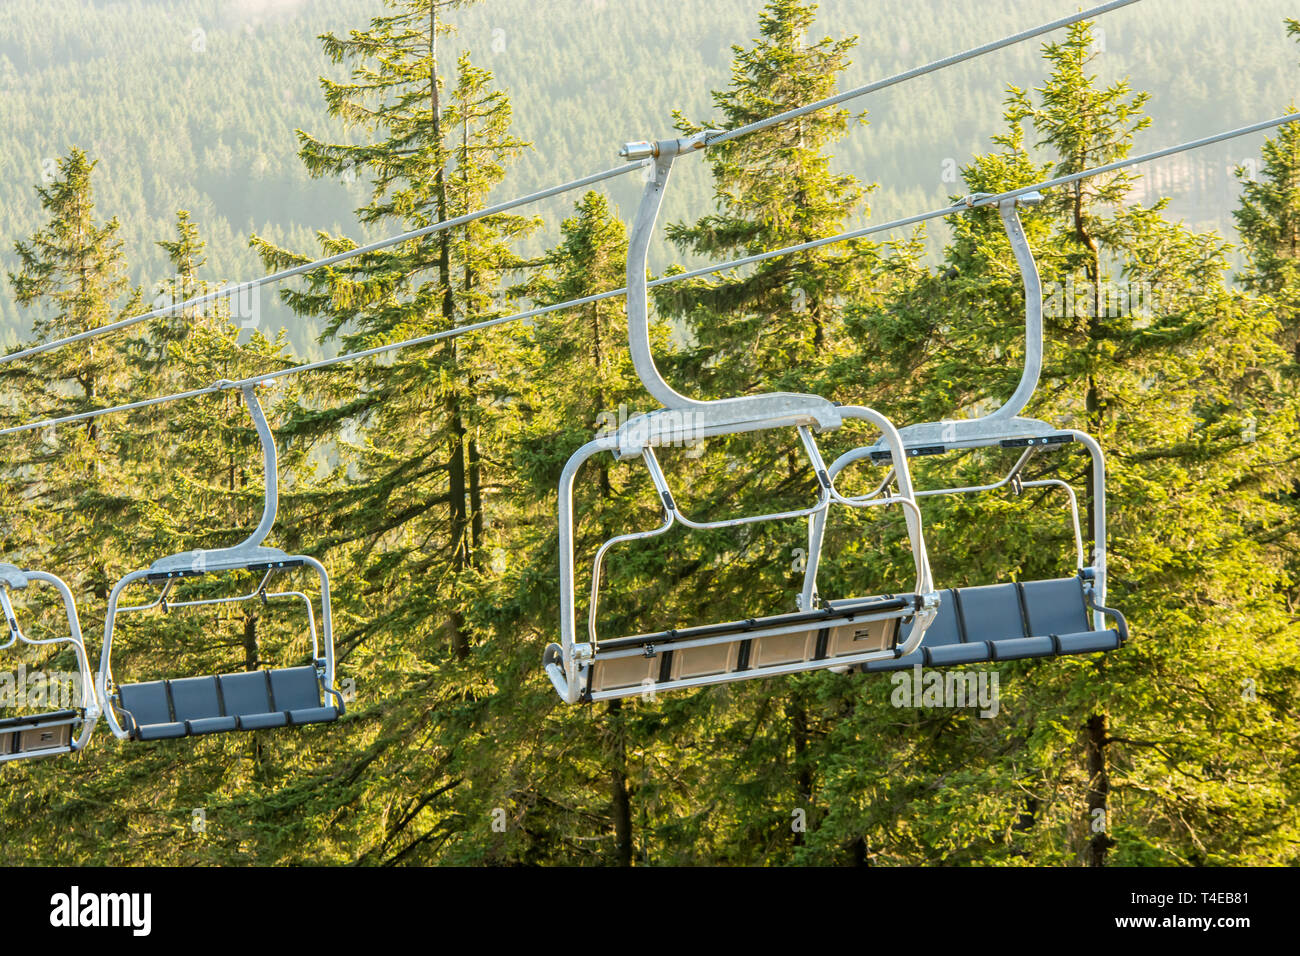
x=195, y=698
x=147, y=702
x=1055, y=607
x=245, y=693
x=991, y=612
x=295, y=688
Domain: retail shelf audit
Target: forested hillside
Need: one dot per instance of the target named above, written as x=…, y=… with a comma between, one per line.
x=201, y=114
x=426, y=481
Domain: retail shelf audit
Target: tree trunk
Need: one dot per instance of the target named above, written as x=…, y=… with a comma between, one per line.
x=1098, y=792
x=804, y=776
x=475, y=505
x=455, y=424
x=459, y=519
x=622, y=798
x=252, y=649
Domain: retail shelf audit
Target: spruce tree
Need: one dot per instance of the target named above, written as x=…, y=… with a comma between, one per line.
x=415, y=436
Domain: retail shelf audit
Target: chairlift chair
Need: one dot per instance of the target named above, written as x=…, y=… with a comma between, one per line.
x=836, y=634
x=56, y=732
x=249, y=700
x=1017, y=619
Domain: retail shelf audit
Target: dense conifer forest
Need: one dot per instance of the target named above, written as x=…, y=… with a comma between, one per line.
x=247, y=137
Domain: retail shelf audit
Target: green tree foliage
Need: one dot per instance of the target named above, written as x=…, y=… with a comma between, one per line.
x=426, y=481
x=412, y=521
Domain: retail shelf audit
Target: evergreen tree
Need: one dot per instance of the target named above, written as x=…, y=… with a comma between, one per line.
x=71, y=274
x=1268, y=220
x=773, y=188
x=412, y=520
x=580, y=381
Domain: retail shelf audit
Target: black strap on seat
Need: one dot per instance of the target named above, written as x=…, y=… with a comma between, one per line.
x=1024, y=609
x=958, y=617
x=171, y=704
x=823, y=642
x=270, y=693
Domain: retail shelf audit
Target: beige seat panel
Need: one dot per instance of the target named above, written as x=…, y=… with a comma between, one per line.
x=704, y=661
x=624, y=672
x=854, y=637
x=44, y=738
x=782, y=649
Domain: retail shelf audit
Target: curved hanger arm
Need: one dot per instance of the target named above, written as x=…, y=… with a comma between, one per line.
x=638, y=306
x=1033, y=307
x=271, y=479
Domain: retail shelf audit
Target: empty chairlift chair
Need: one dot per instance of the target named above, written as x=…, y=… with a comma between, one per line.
x=837, y=634
x=250, y=700
x=1019, y=619
x=62, y=731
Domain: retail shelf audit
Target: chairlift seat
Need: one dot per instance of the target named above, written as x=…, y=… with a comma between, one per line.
x=837, y=636
x=737, y=650
x=1002, y=622
x=250, y=700
x=39, y=733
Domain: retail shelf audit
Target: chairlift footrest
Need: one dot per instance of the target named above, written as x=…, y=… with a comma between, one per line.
x=911, y=452
x=1036, y=442
x=159, y=577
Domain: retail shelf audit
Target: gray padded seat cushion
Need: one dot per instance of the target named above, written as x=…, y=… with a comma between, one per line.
x=941, y=632
x=297, y=691
x=312, y=715
x=211, y=725
x=944, y=629
x=197, y=705
x=1088, y=642
x=1025, y=647
x=957, y=654
x=262, y=721
x=194, y=698
x=246, y=693
x=1054, y=613
x=295, y=688
x=161, y=731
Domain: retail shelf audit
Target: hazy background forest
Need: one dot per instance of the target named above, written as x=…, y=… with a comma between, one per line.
x=426, y=482
x=203, y=118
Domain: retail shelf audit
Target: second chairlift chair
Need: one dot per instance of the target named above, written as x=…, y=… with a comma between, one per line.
x=838, y=635
x=250, y=700
x=1016, y=619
